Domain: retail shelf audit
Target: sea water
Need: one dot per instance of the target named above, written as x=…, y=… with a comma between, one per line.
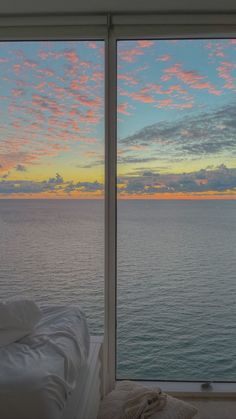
x=176, y=277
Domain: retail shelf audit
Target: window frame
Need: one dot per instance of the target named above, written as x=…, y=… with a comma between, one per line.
x=111, y=29
x=136, y=27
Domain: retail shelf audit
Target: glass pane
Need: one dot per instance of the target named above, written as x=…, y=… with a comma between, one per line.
x=52, y=173
x=176, y=284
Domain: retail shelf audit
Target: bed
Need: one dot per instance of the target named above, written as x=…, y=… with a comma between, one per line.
x=46, y=374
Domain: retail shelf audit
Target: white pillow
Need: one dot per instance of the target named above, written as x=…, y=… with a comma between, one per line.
x=17, y=319
x=112, y=405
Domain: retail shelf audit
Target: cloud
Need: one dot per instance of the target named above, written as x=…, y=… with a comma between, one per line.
x=92, y=44
x=203, y=134
x=30, y=63
x=164, y=58
x=191, y=78
x=20, y=168
x=84, y=187
x=17, y=92
x=130, y=55
x=52, y=185
x=128, y=79
x=224, y=72
x=134, y=159
x=123, y=108
x=145, y=43
x=140, y=96
x=218, y=180
x=71, y=56
x=57, y=180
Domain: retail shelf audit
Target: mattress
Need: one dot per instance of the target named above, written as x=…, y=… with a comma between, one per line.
x=39, y=372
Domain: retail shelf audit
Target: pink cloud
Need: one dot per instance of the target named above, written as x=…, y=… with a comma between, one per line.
x=92, y=45
x=98, y=76
x=17, y=68
x=168, y=103
x=60, y=147
x=164, y=103
x=145, y=43
x=158, y=89
x=90, y=117
x=44, y=55
x=188, y=77
x=17, y=92
x=123, y=108
x=224, y=72
x=74, y=85
x=130, y=55
x=191, y=78
x=46, y=72
x=129, y=79
x=44, y=103
x=140, y=96
x=205, y=85
x=30, y=63
x=164, y=58
x=40, y=86
x=83, y=79
x=85, y=101
x=71, y=56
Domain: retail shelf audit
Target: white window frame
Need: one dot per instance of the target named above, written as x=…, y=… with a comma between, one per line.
x=112, y=29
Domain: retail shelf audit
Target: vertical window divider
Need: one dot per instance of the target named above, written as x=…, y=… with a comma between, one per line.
x=109, y=347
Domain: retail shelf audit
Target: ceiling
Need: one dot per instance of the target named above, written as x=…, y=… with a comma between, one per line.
x=22, y=7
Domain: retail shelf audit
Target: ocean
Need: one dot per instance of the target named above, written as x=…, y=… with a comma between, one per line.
x=176, y=278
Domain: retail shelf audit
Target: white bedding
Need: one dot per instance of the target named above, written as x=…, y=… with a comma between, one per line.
x=38, y=373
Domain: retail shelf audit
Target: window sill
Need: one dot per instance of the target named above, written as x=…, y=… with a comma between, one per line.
x=194, y=389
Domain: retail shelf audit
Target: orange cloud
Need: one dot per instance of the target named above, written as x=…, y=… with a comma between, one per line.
x=90, y=117
x=123, y=108
x=140, y=96
x=145, y=43
x=71, y=56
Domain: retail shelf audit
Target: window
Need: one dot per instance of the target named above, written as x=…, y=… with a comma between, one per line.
x=52, y=173
x=176, y=209
x=140, y=169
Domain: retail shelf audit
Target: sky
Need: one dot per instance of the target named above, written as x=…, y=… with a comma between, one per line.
x=176, y=116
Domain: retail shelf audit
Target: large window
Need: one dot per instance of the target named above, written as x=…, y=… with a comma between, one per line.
x=52, y=174
x=170, y=276
x=176, y=155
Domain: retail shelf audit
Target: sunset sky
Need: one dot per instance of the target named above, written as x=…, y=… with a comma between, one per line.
x=176, y=119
